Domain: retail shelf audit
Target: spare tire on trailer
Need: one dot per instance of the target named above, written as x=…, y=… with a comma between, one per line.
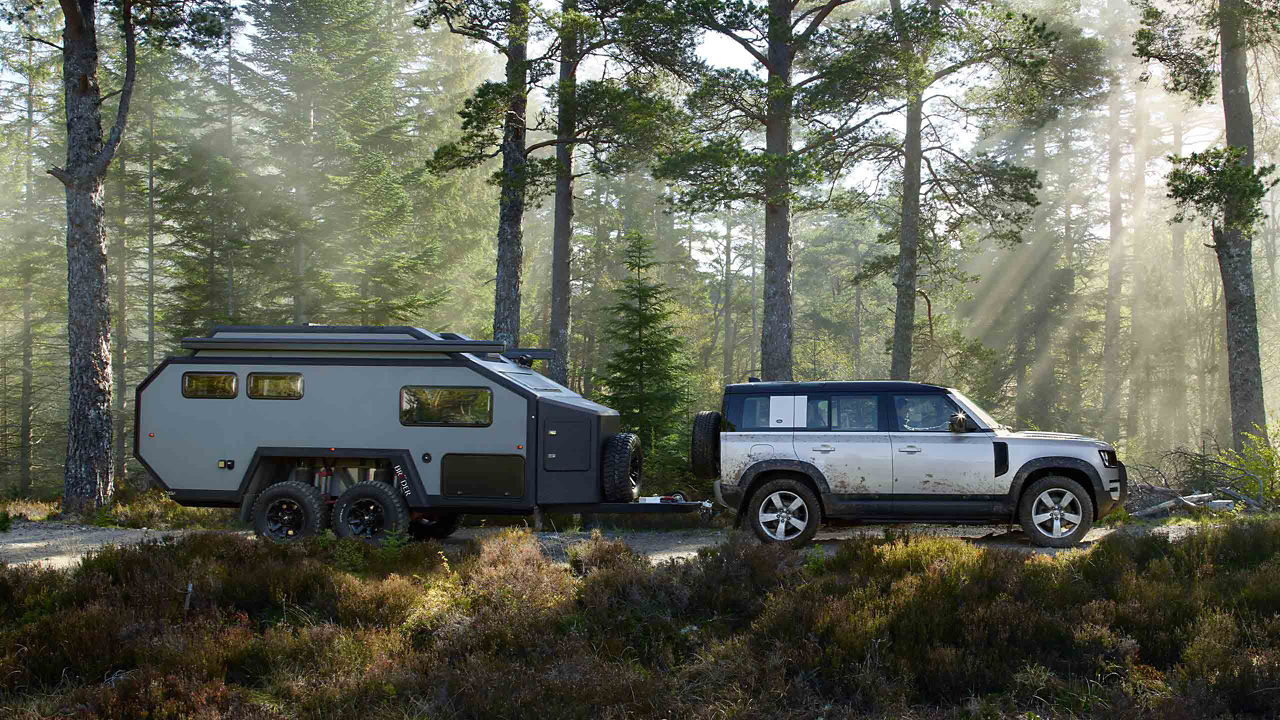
x=704, y=448
x=621, y=469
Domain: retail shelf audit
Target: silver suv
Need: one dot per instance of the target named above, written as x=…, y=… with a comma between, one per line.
x=790, y=456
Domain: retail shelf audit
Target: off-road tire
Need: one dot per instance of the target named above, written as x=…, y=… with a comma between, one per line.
x=1041, y=533
x=622, y=468
x=704, y=447
x=370, y=511
x=441, y=527
x=787, y=490
x=289, y=511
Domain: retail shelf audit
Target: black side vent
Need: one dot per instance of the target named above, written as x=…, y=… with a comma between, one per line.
x=1002, y=457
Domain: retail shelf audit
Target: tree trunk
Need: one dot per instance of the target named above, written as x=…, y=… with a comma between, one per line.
x=562, y=233
x=730, y=331
x=302, y=188
x=26, y=409
x=904, y=314
x=776, y=334
x=1074, y=390
x=1233, y=248
x=856, y=339
x=1139, y=330
x=1178, y=321
x=120, y=330
x=506, y=294
x=151, y=233
x=1112, y=403
x=88, y=481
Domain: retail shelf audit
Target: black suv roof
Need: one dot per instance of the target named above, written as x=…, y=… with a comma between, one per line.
x=833, y=386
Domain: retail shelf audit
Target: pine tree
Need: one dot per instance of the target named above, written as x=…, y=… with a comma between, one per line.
x=646, y=378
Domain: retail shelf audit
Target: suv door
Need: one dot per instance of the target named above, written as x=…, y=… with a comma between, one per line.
x=758, y=427
x=843, y=436
x=936, y=471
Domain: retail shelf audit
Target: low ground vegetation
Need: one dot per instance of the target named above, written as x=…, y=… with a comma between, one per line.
x=213, y=625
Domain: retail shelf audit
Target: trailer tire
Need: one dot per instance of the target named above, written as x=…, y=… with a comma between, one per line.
x=622, y=469
x=290, y=511
x=704, y=448
x=441, y=527
x=370, y=511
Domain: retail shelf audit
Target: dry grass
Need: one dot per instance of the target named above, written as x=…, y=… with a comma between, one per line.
x=908, y=627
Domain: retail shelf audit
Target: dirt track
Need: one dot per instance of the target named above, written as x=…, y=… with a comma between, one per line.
x=61, y=545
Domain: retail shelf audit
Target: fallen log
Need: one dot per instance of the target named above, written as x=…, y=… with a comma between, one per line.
x=1241, y=497
x=1189, y=501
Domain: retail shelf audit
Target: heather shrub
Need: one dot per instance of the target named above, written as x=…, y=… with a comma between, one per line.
x=154, y=509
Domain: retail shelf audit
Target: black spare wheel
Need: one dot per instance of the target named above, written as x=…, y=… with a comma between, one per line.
x=290, y=510
x=784, y=511
x=704, y=448
x=370, y=511
x=621, y=470
x=441, y=525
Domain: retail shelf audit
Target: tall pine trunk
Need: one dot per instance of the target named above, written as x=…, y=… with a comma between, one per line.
x=777, y=331
x=1112, y=402
x=26, y=409
x=88, y=480
x=562, y=232
x=1233, y=248
x=151, y=233
x=904, y=314
x=1139, y=331
x=730, y=330
x=506, y=294
x=1177, y=322
x=120, y=250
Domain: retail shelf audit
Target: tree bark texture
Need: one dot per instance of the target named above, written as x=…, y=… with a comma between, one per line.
x=904, y=314
x=1233, y=248
x=88, y=480
x=506, y=294
x=730, y=330
x=562, y=232
x=120, y=333
x=777, y=329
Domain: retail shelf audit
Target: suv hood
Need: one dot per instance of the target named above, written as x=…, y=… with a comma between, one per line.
x=1060, y=437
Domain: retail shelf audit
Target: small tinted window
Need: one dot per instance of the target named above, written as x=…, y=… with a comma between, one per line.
x=855, y=413
x=211, y=385
x=465, y=406
x=755, y=412
x=923, y=413
x=275, y=386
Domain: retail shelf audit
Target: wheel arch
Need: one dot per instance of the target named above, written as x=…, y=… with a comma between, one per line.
x=1068, y=467
x=766, y=470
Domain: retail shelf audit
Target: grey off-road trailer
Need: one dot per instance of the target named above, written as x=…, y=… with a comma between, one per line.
x=376, y=430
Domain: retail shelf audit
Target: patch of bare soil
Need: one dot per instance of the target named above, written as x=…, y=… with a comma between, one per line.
x=60, y=545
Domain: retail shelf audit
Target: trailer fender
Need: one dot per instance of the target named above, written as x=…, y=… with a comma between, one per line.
x=404, y=473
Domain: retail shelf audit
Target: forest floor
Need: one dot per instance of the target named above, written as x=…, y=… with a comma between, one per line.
x=61, y=544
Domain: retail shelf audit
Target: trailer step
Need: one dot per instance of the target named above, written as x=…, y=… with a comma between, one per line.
x=632, y=507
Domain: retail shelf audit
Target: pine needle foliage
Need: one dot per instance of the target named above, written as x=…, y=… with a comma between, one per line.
x=647, y=379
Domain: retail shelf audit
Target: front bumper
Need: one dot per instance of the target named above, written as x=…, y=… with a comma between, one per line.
x=1115, y=490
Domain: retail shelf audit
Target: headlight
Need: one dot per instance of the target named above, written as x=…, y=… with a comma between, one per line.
x=1109, y=458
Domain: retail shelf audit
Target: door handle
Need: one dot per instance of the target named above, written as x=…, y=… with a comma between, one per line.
x=823, y=448
x=909, y=449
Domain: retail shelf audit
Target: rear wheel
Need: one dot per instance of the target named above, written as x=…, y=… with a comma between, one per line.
x=1056, y=512
x=621, y=471
x=289, y=511
x=370, y=511
x=704, y=448
x=784, y=511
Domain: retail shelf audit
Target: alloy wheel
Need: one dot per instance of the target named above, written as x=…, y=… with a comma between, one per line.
x=366, y=518
x=285, y=519
x=1056, y=512
x=783, y=515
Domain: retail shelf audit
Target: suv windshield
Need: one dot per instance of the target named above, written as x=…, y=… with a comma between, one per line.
x=978, y=413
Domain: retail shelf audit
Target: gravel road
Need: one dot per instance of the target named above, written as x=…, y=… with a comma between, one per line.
x=61, y=545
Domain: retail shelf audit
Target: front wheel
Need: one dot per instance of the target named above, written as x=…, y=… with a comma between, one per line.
x=784, y=511
x=289, y=511
x=1056, y=512
x=369, y=512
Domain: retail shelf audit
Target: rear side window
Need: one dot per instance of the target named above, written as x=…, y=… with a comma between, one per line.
x=746, y=412
x=455, y=406
x=855, y=413
x=209, y=385
x=275, y=386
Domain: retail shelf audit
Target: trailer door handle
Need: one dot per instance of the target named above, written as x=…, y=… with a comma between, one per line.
x=912, y=449
x=824, y=448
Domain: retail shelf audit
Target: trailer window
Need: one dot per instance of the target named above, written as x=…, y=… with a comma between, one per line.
x=275, y=386
x=213, y=385
x=464, y=406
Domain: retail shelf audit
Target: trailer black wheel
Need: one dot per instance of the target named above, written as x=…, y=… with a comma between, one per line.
x=704, y=448
x=290, y=511
x=621, y=471
x=370, y=511
x=441, y=526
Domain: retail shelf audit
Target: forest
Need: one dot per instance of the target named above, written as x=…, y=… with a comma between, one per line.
x=1064, y=209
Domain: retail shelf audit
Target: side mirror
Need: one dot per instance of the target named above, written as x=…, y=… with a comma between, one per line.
x=961, y=423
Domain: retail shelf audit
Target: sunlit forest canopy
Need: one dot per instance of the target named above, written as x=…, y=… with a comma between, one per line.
x=978, y=198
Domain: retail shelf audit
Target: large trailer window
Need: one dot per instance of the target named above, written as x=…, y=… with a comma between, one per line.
x=210, y=385
x=275, y=386
x=460, y=406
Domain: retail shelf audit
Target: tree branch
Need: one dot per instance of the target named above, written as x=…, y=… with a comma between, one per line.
x=62, y=175
x=719, y=27
x=819, y=17
x=108, y=151
x=42, y=41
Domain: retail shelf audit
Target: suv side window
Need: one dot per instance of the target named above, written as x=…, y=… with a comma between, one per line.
x=817, y=413
x=922, y=413
x=855, y=413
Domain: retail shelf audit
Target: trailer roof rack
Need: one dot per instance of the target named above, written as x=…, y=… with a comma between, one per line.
x=321, y=338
